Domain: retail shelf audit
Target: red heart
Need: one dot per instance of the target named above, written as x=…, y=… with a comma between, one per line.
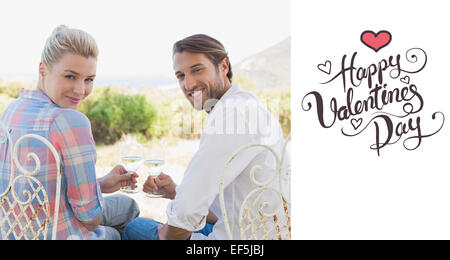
x=376, y=41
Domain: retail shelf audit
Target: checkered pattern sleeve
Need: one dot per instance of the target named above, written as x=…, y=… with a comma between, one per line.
x=72, y=136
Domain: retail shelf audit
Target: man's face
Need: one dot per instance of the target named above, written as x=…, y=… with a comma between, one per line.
x=199, y=79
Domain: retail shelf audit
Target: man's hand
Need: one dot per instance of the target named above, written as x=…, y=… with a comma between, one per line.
x=116, y=178
x=163, y=184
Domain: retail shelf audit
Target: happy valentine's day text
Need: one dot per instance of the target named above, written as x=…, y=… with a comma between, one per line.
x=390, y=127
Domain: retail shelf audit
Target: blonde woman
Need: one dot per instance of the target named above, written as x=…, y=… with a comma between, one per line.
x=66, y=75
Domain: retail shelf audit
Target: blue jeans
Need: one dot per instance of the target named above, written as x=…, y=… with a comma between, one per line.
x=147, y=229
x=119, y=210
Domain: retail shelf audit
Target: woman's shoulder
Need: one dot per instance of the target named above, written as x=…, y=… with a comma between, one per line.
x=71, y=126
x=70, y=118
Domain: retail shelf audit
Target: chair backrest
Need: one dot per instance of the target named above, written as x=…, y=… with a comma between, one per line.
x=27, y=216
x=258, y=219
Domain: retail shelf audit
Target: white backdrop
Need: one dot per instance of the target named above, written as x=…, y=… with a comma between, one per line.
x=341, y=188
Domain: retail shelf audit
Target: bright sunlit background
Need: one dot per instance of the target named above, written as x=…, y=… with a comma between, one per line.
x=135, y=37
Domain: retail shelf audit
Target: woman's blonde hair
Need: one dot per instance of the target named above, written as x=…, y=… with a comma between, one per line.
x=68, y=40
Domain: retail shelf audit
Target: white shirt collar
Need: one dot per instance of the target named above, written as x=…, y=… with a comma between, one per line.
x=233, y=89
x=230, y=92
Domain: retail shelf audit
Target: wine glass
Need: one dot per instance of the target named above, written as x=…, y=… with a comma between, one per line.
x=154, y=169
x=132, y=158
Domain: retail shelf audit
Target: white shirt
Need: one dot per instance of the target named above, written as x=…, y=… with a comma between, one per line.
x=236, y=120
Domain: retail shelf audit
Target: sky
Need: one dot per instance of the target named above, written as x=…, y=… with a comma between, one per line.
x=135, y=38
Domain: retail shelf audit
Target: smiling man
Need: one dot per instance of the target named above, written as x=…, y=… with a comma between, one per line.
x=235, y=118
x=204, y=76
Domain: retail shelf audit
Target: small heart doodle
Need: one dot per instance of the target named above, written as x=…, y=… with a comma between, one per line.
x=326, y=67
x=405, y=79
x=356, y=122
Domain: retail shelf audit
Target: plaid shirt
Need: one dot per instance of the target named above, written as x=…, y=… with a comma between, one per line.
x=70, y=133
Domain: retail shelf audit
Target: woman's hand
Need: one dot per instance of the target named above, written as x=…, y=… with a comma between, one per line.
x=118, y=177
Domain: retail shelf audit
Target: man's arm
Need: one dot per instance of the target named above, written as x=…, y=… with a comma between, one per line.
x=167, y=232
x=200, y=184
x=211, y=218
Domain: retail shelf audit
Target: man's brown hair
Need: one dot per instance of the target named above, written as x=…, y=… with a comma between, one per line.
x=210, y=47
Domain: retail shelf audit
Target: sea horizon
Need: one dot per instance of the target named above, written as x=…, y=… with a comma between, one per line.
x=136, y=82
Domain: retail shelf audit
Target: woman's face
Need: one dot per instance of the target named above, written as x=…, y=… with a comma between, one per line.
x=69, y=81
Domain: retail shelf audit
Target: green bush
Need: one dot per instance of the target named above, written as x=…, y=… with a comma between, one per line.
x=162, y=124
x=176, y=118
x=113, y=114
x=169, y=115
x=278, y=102
x=12, y=88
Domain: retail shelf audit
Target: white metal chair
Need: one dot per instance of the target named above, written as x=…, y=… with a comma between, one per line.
x=21, y=215
x=255, y=222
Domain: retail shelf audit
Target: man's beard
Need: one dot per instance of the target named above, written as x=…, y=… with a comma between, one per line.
x=213, y=94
